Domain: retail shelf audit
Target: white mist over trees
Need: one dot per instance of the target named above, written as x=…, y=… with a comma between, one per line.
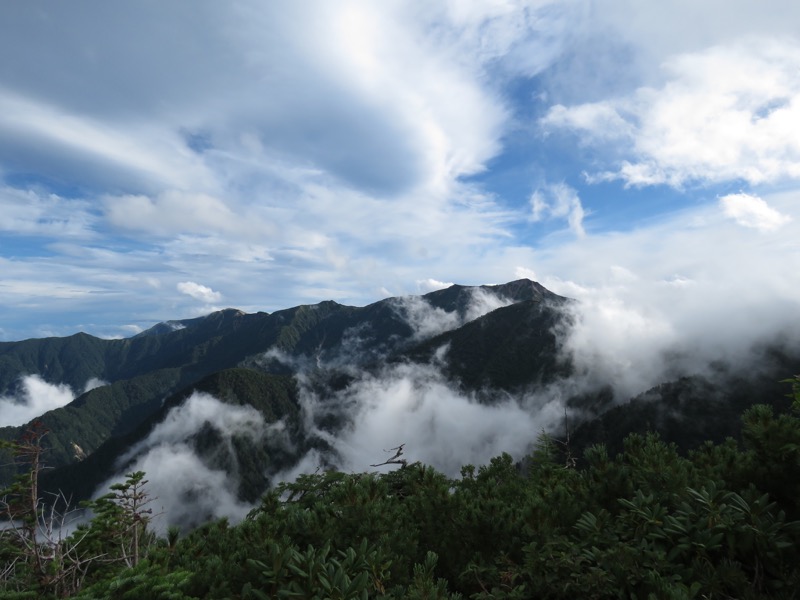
x=34, y=398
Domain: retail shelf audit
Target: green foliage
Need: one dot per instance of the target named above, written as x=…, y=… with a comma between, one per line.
x=647, y=523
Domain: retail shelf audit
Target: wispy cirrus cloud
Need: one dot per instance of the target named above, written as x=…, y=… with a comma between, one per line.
x=558, y=201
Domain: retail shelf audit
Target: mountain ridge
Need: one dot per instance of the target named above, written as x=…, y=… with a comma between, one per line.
x=140, y=371
x=492, y=345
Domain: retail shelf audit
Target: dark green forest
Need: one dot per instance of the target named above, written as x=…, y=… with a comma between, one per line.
x=719, y=521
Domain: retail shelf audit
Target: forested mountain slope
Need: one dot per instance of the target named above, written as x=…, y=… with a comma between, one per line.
x=141, y=372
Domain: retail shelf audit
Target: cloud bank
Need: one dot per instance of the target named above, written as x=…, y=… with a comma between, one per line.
x=710, y=284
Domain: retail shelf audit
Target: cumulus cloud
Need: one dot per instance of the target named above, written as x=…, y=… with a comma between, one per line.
x=752, y=211
x=34, y=398
x=558, y=201
x=199, y=292
x=184, y=486
x=431, y=285
x=177, y=212
x=724, y=113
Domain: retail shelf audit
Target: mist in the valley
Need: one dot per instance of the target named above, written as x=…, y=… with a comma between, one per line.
x=184, y=489
x=627, y=336
x=34, y=397
x=406, y=404
x=416, y=405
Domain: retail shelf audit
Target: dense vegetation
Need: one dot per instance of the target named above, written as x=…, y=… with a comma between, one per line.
x=719, y=522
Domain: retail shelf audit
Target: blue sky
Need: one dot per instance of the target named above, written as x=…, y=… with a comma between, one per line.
x=163, y=160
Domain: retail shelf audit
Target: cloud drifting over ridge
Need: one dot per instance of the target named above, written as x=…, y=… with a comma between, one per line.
x=427, y=321
x=680, y=294
x=35, y=398
x=184, y=487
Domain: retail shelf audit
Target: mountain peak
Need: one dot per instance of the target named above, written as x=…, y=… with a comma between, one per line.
x=459, y=297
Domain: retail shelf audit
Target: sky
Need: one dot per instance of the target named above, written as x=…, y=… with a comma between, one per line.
x=163, y=160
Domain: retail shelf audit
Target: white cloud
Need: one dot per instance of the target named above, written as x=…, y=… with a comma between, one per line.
x=93, y=383
x=199, y=292
x=414, y=405
x=431, y=285
x=752, y=211
x=178, y=212
x=599, y=121
x=34, y=213
x=558, y=201
x=35, y=397
x=183, y=486
x=726, y=113
x=672, y=297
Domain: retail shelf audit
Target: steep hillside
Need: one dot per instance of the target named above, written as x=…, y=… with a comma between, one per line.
x=509, y=348
x=273, y=396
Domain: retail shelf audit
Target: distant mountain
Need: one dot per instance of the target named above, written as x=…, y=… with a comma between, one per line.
x=172, y=357
x=692, y=409
x=487, y=342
